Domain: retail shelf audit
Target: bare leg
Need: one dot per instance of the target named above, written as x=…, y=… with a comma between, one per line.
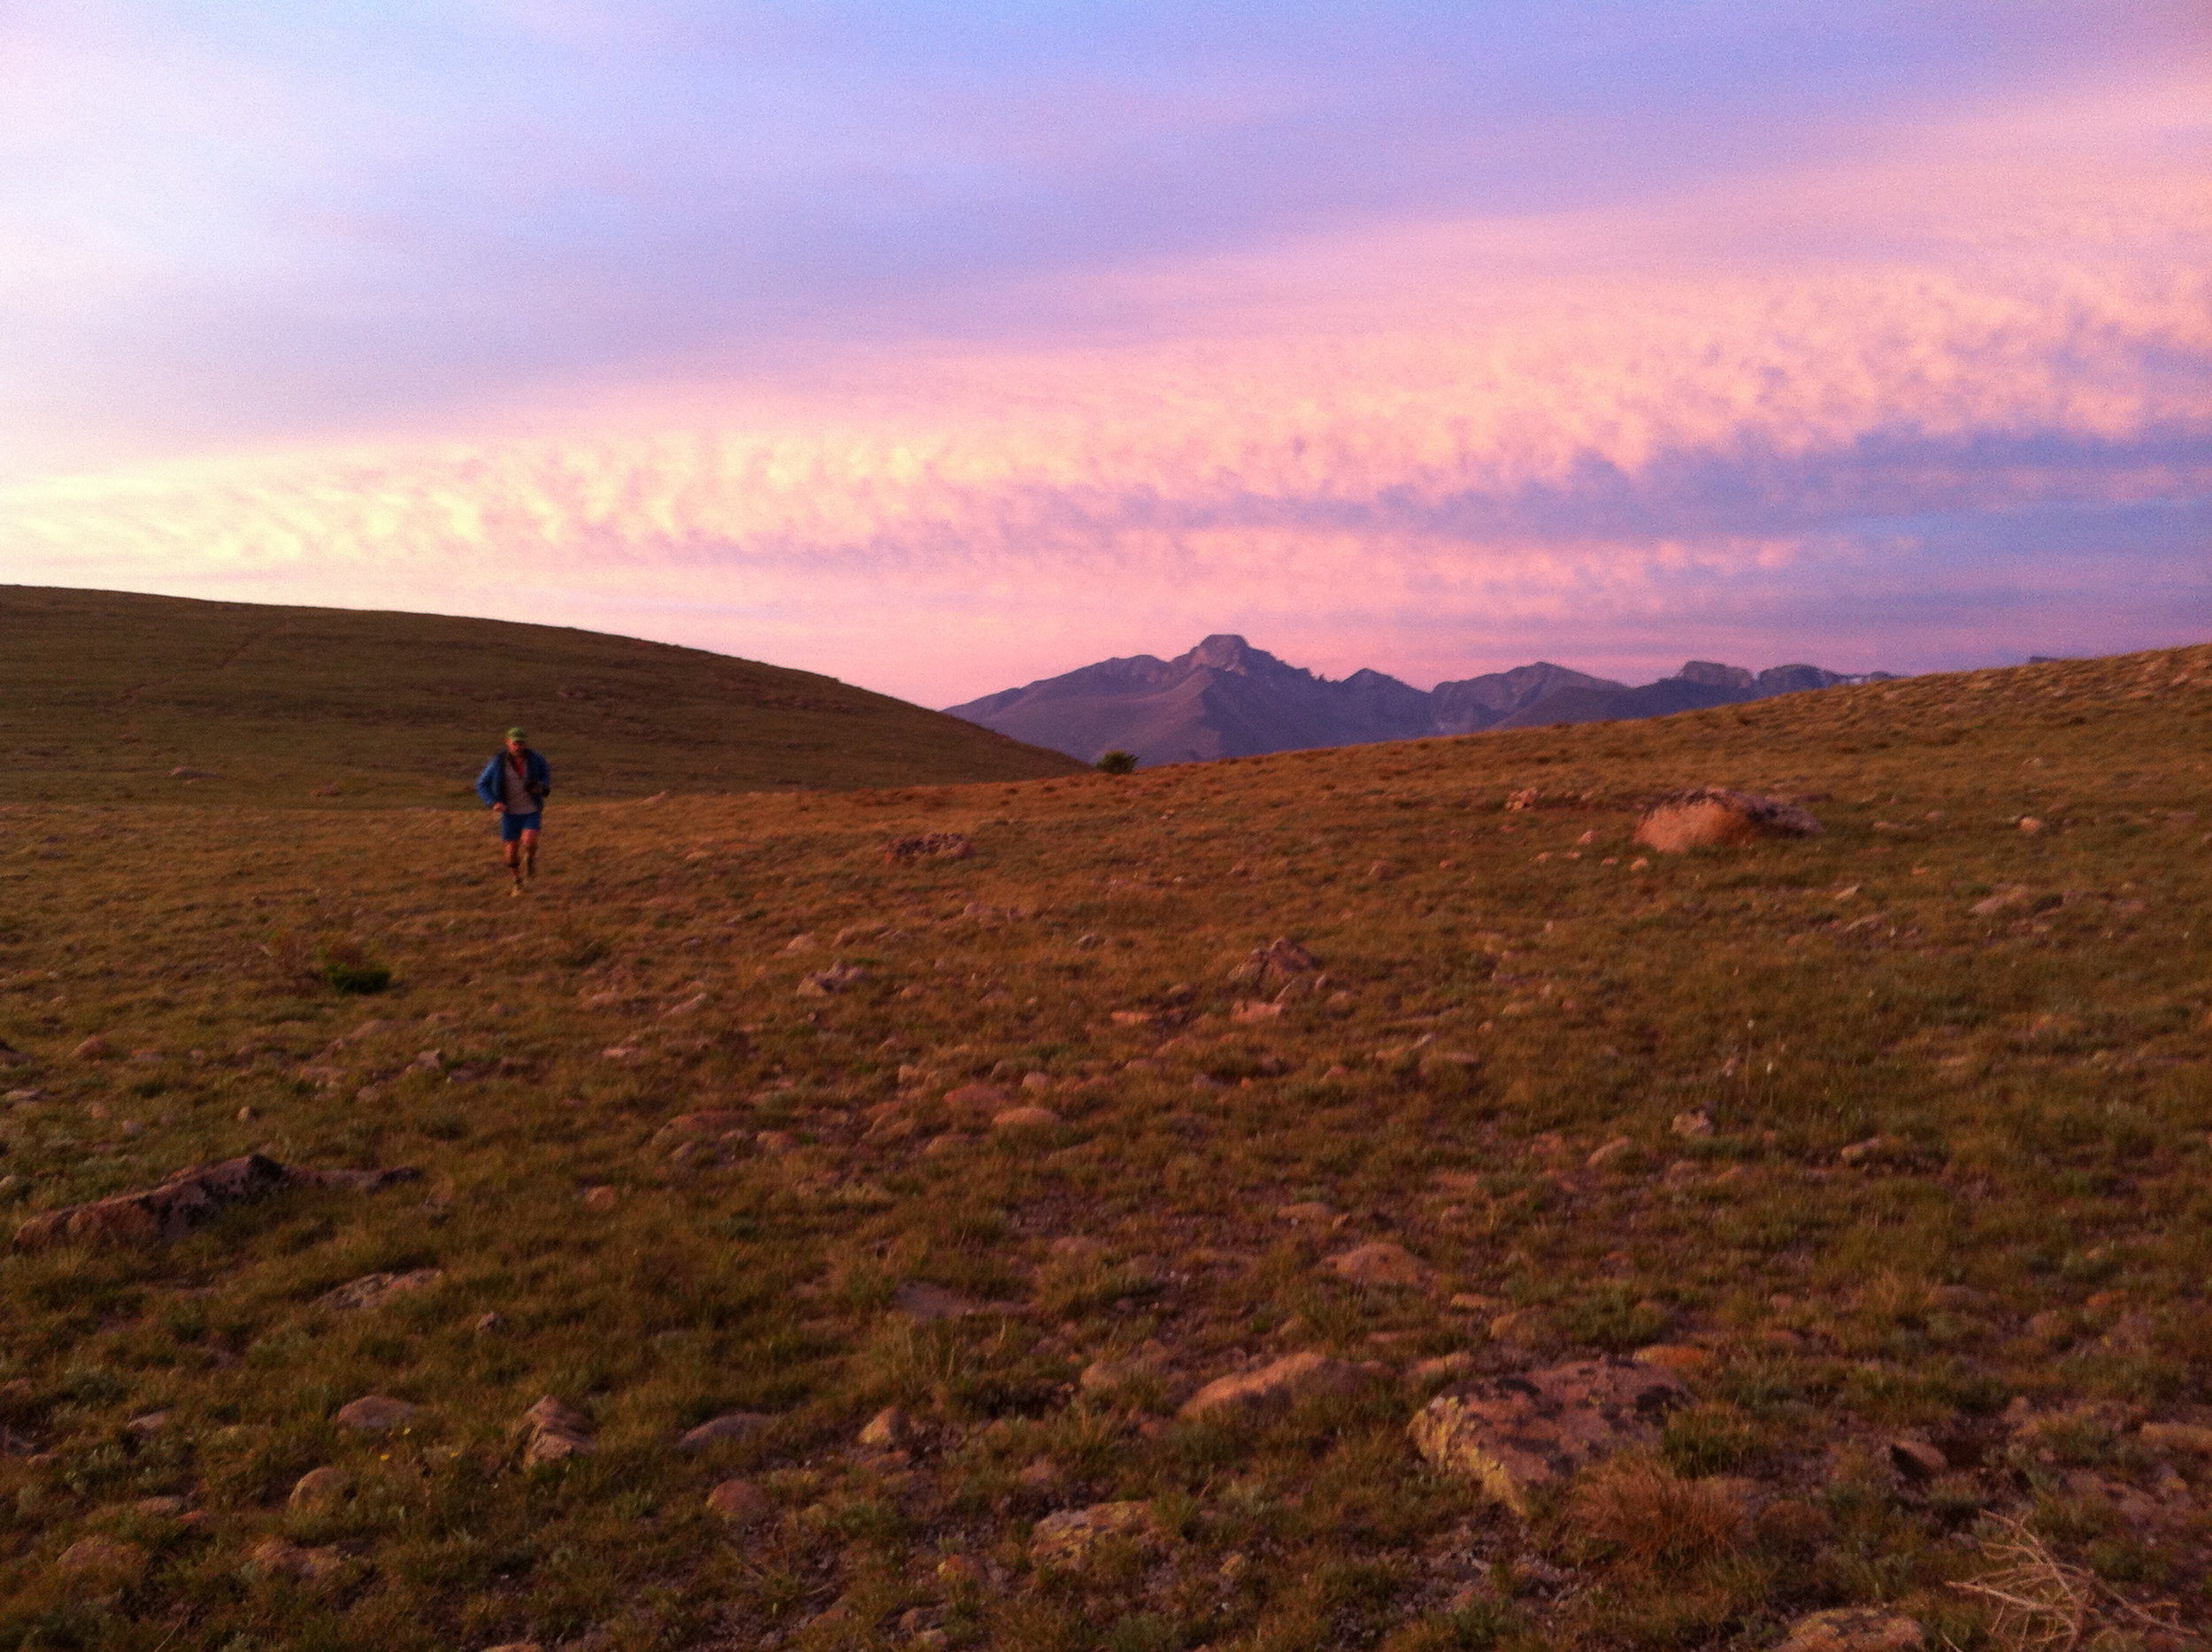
x=514, y=863
x=530, y=853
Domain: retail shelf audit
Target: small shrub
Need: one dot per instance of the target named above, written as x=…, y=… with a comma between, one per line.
x=1117, y=762
x=344, y=966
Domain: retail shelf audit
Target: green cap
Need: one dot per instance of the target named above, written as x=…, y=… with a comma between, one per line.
x=516, y=733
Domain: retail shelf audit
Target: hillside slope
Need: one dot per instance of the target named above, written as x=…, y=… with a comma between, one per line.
x=108, y=691
x=1892, y=1143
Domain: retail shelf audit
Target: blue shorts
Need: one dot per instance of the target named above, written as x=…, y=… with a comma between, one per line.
x=512, y=825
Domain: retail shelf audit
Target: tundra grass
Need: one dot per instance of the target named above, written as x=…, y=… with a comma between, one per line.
x=1953, y=1194
x=111, y=693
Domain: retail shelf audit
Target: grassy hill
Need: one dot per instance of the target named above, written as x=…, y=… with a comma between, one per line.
x=1935, y=1259
x=107, y=692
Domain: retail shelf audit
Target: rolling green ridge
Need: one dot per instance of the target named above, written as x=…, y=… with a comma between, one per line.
x=110, y=691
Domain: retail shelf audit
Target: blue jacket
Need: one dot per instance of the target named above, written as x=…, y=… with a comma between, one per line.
x=536, y=775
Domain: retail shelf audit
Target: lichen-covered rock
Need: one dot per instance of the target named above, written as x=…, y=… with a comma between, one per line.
x=1067, y=1539
x=1510, y=1434
x=928, y=846
x=376, y=1413
x=102, y=1562
x=729, y=1425
x=373, y=1290
x=741, y=1502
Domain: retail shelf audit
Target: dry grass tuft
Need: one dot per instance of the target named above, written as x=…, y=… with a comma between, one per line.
x=1642, y=1515
x=2042, y=1604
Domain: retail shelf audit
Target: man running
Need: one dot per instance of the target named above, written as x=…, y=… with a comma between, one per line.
x=513, y=785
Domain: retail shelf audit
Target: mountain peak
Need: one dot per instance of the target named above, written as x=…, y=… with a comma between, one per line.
x=1223, y=651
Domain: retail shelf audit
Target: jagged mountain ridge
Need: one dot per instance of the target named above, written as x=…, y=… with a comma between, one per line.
x=1226, y=698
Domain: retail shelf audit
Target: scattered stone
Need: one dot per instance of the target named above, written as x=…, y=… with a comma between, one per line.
x=1025, y=1118
x=1522, y=801
x=376, y=1414
x=719, y=1123
x=928, y=846
x=1307, y=1211
x=1288, y=1380
x=2029, y=825
x=886, y=1431
x=1068, y=1538
x=1379, y=1263
x=2174, y=1439
x=147, y=1424
x=1680, y=1357
x=836, y=978
x=1525, y=1327
x=24, y=1097
x=183, y=773
x=1612, y=1153
x=1037, y=1083
x=274, y=1557
x=1690, y=1125
x=190, y=1197
x=918, y=1299
x=740, y=1501
x=776, y=1142
x=1510, y=1434
x=1873, y=1150
x=1916, y=1459
x=93, y=1048
x=978, y=1098
x=373, y=1290
x=159, y=1508
x=950, y=1141
x=1249, y=1011
x=2006, y=898
x=319, y=1490
x=1713, y=817
x=601, y=1197
x=488, y=1324
x=1854, y=1629
x=729, y=1425
x=1453, y=1365
x=553, y=1433
x=103, y=1561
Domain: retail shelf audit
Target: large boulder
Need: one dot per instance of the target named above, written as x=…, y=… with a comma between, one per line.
x=1715, y=818
x=1510, y=1434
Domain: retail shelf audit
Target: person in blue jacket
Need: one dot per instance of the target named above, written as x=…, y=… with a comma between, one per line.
x=514, y=785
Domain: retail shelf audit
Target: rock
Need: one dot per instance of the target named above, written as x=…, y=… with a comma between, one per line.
x=838, y=978
x=1916, y=1459
x=978, y=1098
x=2178, y=1438
x=521, y=1646
x=720, y=1124
x=147, y=1426
x=1524, y=1327
x=376, y=1413
x=1715, y=818
x=1873, y=1150
x=1510, y=1434
x=950, y=1141
x=2006, y=898
x=184, y=1201
x=101, y=1562
x=885, y=1431
x=741, y=1502
x=1612, y=1153
x=1294, y=1378
x=1854, y=1629
x=1248, y=1012
x=1037, y=1083
x=93, y=1048
x=184, y=772
x=1675, y=1356
x=928, y=846
x=489, y=1324
x=553, y=1433
x=319, y=1490
x=274, y=1557
x=729, y=1425
x=2029, y=825
x=1379, y=1263
x=1522, y=801
x=1067, y=1539
x=1444, y=1365
x=11, y=1057
x=1305, y=1211
x=1025, y=1118
x=1690, y=1125
x=373, y=1290
x=159, y=1508
x=601, y=1197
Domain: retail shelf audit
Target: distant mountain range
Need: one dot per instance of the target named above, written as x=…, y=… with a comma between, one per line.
x=1227, y=699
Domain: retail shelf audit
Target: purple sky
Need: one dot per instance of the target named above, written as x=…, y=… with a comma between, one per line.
x=943, y=347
